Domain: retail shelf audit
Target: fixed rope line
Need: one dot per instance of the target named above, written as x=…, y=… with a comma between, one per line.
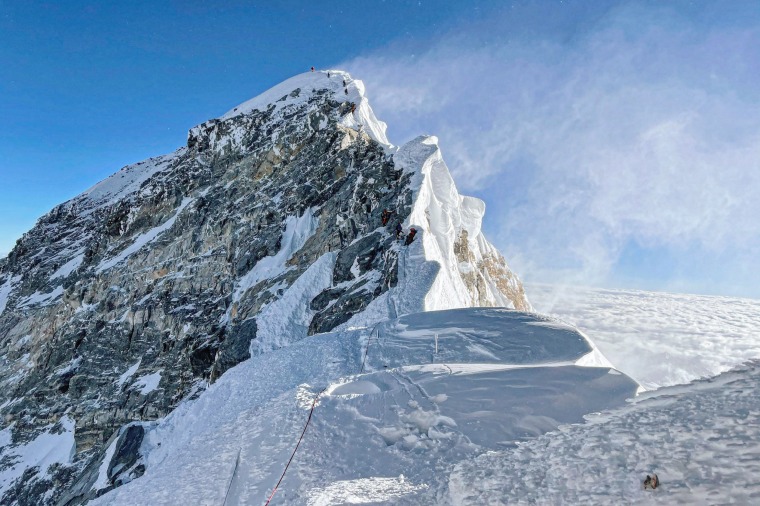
x=313, y=405
x=366, y=350
x=308, y=420
x=232, y=478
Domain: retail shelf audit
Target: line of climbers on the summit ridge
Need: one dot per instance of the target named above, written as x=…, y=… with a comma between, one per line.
x=345, y=88
x=385, y=218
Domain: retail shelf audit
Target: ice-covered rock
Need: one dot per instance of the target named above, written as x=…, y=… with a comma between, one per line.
x=264, y=229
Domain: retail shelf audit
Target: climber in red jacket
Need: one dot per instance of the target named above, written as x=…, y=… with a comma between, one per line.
x=410, y=236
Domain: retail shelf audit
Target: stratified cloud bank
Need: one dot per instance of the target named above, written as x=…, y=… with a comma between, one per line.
x=612, y=147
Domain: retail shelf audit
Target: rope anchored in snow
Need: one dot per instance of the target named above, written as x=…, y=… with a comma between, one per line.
x=308, y=420
x=366, y=350
x=232, y=478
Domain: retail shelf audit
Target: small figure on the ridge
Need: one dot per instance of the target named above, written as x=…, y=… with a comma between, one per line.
x=312, y=69
x=651, y=482
x=410, y=236
x=386, y=214
x=353, y=107
x=344, y=83
x=399, y=230
x=346, y=90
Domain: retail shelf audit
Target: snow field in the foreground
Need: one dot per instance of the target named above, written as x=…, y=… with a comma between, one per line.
x=702, y=440
x=390, y=436
x=659, y=339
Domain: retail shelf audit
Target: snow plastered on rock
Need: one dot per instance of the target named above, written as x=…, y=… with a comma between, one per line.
x=471, y=272
x=143, y=239
x=353, y=90
x=122, y=184
x=298, y=229
x=264, y=230
x=54, y=446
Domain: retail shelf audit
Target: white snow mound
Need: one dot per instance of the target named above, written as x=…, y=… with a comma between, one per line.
x=499, y=377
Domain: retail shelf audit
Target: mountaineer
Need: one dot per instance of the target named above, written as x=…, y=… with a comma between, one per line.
x=386, y=216
x=410, y=236
x=651, y=482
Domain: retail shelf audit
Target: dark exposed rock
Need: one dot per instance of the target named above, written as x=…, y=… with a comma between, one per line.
x=153, y=274
x=235, y=348
x=87, y=303
x=363, y=253
x=122, y=465
x=324, y=299
x=126, y=454
x=341, y=311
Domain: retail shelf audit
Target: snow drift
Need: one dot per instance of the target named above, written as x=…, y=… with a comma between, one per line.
x=390, y=435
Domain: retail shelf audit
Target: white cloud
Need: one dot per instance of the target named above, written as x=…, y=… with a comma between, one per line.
x=642, y=128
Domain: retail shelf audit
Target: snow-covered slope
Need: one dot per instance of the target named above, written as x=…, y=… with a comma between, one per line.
x=263, y=230
x=702, y=440
x=391, y=435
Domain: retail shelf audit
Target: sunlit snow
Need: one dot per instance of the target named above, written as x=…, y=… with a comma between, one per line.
x=53, y=446
x=369, y=429
x=146, y=384
x=659, y=339
x=298, y=229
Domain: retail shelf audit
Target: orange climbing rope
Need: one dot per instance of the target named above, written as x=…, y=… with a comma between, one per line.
x=308, y=420
x=313, y=405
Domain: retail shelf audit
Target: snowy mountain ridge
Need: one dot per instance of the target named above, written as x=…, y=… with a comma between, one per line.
x=126, y=301
x=438, y=388
x=165, y=335
x=338, y=83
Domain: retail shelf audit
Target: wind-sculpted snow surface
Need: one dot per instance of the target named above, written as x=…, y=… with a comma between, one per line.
x=659, y=339
x=389, y=436
x=263, y=230
x=702, y=440
x=483, y=335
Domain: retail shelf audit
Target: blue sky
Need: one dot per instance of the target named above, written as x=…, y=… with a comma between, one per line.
x=616, y=143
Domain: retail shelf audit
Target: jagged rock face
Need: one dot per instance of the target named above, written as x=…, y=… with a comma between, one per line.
x=477, y=272
x=264, y=229
x=165, y=276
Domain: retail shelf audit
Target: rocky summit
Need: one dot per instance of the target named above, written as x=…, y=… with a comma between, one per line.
x=267, y=227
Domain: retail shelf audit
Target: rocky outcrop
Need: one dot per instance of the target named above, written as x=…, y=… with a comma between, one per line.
x=265, y=228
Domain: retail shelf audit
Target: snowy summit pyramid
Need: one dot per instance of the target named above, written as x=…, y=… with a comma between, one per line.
x=128, y=301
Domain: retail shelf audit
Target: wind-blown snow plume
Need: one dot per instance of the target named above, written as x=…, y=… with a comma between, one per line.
x=621, y=145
